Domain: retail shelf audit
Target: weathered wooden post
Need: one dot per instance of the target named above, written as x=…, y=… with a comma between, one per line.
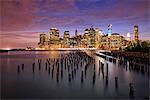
x=106, y=81
x=57, y=77
x=107, y=69
x=82, y=77
x=33, y=67
x=72, y=75
x=39, y=62
x=18, y=68
x=94, y=76
x=116, y=82
x=52, y=72
x=22, y=66
x=102, y=68
x=46, y=66
x=131, y=92
x=69, y=77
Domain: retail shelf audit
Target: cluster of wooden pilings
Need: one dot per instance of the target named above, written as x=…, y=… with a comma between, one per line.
x=129, y=63
x=136, y=65
x=73, y=63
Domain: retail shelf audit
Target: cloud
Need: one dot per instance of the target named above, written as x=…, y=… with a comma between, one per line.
x=21, y=19
x=17, y=14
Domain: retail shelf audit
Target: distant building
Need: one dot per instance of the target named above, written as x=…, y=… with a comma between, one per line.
x=128, y=37
x=109, y=30
x=84, y=40
x=66, y=39
x=44, y=42
x=97, y=37
x=73, y=42
x=104, y=42
x=116, y=41
x=136, y=34
x=77, y=38
x=91, y=39
x=54, y=38
x=113, y=42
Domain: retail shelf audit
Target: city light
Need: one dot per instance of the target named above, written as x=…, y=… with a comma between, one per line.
x=6, y=48
x=92, y=38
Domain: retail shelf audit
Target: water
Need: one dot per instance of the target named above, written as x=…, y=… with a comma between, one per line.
x=40, y=83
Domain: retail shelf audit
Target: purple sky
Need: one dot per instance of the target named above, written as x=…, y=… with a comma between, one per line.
x=22, y=20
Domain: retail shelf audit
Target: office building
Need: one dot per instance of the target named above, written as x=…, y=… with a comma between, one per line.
x=109, y=30
x=136, y=34
x=44, y=42
x=54, y=38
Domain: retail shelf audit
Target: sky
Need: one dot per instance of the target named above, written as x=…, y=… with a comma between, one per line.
x=21, y=21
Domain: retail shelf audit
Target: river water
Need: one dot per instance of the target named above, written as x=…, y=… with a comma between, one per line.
x=18, y=82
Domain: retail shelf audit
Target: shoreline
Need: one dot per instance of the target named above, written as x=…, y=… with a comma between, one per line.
x=112, y=53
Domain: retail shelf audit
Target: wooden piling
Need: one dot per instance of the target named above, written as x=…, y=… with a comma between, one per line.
x=131, y=92
x=33, y=67
x=82, y=77
x=107, y=69
x=116, y=82
x=18, y=68
x=22, y=66
x=106, y=81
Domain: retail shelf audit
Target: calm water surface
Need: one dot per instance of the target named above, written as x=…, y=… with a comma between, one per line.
x=40, y=84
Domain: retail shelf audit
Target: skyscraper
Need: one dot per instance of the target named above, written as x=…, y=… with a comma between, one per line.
x=128, y=37
x=109, y=30
x=54, y=37
x=66, y=37
x=136, y=34
x=43, y=41
x=91, y=39
x=97, y=37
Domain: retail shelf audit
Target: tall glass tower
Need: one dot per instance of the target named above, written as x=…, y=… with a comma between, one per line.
x=136, y=33
x=109, y=30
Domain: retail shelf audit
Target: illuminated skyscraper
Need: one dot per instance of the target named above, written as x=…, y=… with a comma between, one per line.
x=66, y=38
x=85, y=36
x=136, y=34
x=54, y=37
x=43, y=41
x=84, y=40
x=91, y=38
x=43, y=38
x=109, y=30
x=97, y=37
x=128, y=37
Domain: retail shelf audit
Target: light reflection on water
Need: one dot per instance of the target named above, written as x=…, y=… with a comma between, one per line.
x=27, y=84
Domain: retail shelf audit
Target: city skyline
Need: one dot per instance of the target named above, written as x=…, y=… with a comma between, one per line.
x=23, y=21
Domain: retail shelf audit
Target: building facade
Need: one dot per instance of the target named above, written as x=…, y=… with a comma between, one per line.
x=91, y=39
x=54, y=38
x=44, y=42
x=136, y=34
x=66, y=39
